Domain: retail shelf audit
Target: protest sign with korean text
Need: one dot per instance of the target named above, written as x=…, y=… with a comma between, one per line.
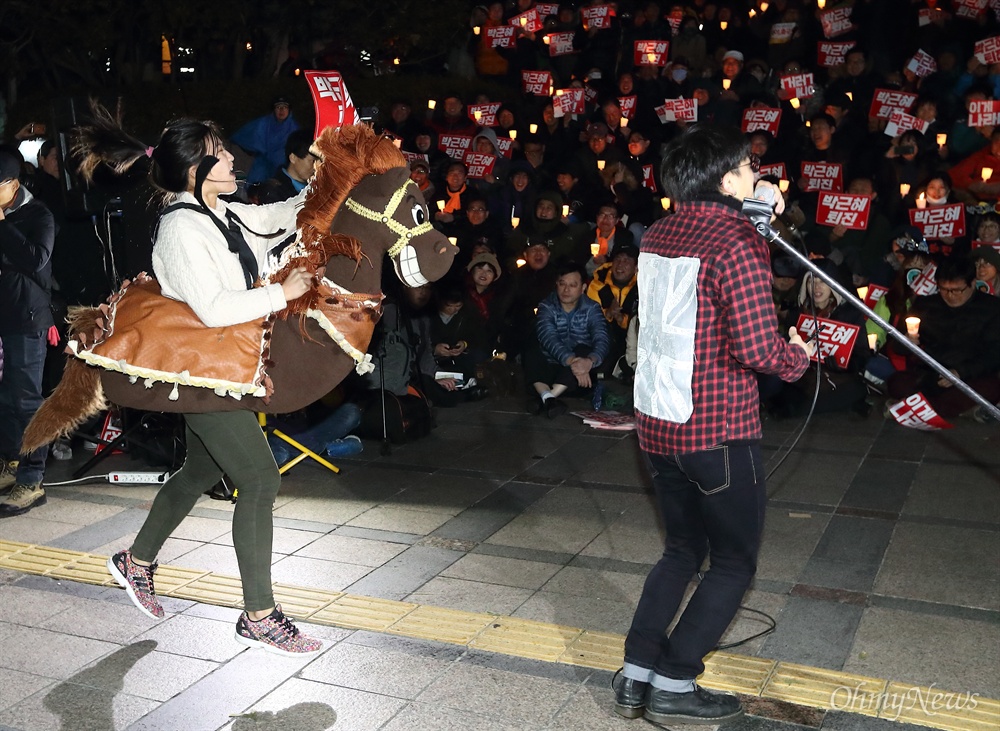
x=887, y=101
x=971, y=9
x=782, y=32
x=547, y=9
x=834, y=339
x=874, y=294
x=332, y=101
x=988, y=50
x=843, y=209
x=506, y=146
x=487, y=113
x=683, y=110
x=940, y=222
x=761, y=118
x=529, y=20
x=801, y=86
x=650, y=53
x=900, y=122
x=833, y=53
x=925, y=282
x=821, y=176
x=538, y=83
x=648, y=178
x=984, y=113
x=560, y=44
x=924, y=17
x=916, y=413
x=627, y=105
x=922, y=64
x=836, y=22
x=569, y=101
x=480, y=165
x=597, y=16
x=501, y=36
x=411, y=156
x=455, y=145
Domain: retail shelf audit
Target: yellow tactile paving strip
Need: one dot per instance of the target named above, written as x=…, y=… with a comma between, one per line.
x=799, y=684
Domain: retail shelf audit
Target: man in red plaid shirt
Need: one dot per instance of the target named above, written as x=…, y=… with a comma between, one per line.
x=707, y=324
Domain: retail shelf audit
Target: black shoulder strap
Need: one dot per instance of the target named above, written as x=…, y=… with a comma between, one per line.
x=234, y=239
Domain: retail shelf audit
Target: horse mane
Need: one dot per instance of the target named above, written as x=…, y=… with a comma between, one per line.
x=349, y=154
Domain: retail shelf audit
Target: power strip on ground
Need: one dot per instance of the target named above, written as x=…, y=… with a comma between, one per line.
x=138, y=478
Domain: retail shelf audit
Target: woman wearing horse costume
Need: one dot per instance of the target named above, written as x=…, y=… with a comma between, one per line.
x=237, y=272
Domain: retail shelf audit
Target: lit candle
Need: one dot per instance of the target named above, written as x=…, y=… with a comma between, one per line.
x=532, y=128
x=524, y=21
x=546, y=40
x=726, y=83
x=942, y=138
x=783, y=186
x=397, y=142
x=873, y=342
x=665, y=202
x=820, y=4
x=514, y=220
x=453, y=240
x=794, y=101
x=921, y=201
x=651, y=57
x=850, y=95
x=862, y=293
x=904, y=189
x=550, y=89
x=808, y=123
x=431, y=104
x=520, y=263
x=987, y=174
x=600, y=164
x=763, y=7
x=624, y=123
x=752, y=12
x=565, y=210
x=478, y=115
x=440, y=205
x=912, y=325
x=513, y=134
x=475, y=30
x=395, y=62
x=595, y=249
x=723, y=24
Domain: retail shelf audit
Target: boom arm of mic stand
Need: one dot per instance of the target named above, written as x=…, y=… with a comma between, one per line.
x=759, y=213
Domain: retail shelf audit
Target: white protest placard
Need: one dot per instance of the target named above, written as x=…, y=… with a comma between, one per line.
x=887, y=101
x=924, y=17
x=915, y=412
x=970, y=9
x=560, y=44
x=925, y=283
x=820, y=176
x=922, y=64
x=988, y=50
x=761, y=118
x=781, y=32
x=940, y=222
x=843, y=209
x=900, y=122
x=801, y=86
x=678, y=110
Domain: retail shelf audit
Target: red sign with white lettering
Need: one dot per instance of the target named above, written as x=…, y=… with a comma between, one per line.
x=875, y=293
x=506, y=146
x=940, y=222
x=569, y=101
x=331, y=100
x=836, y=22
x=560, y=44
x=988, y=50
x=900, y=122
x=801, y=86
x=487, y=113
x=538, y=83
x=971, y=9
x=835, y=339
x=775, y=169
x=547, y=9
x=480, y=165
x=984, y=113
x=650, y=53
x=832, y=53
x=455, y=145
x=821, y=176
x=761, y=118
x=925, y=283
x=627, y=105
x=843, y=209
x=501, y=36
x=922, y=64
x=648, y=181
x=916, y=413
x=672, y=110
x=597, y=16
x=887, y=101
x=529, y=20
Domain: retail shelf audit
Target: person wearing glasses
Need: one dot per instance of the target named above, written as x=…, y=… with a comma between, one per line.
x=707, y=324
x=960, y=328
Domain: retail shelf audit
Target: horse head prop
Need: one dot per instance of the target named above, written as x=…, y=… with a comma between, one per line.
x=145, y=351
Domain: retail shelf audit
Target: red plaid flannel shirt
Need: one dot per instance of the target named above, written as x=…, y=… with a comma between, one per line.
x=736, y=327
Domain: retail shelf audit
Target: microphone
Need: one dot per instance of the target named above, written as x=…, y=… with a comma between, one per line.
x=766, y=194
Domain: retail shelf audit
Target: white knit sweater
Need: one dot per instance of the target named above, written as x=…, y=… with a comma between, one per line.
x=193, y=264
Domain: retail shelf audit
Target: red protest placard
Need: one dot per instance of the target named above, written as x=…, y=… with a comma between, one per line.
x=480, y=165
x=627, y=105
x=836, y=22
x=560, y=44
x=684, y=110
x=802, y=86
x=332, y=101
x=887, y=101
x=411, y=156
x=834, y=339
x=538, y=83
x=988, y=50
x=916, y=413
x=650, y=53
x=648, y=178
x=569, y=101
x=925, y=283
x=875, y=293
x=922, y=64
x=976, y=244
x=529, y=21
x=487, y=116
x=506, y=146
x=843, y=209
x=832, y=53
x=776, y=170
x=781, y=32
x=501, y=36
x=900, y=122
x=597, y=16
x=455, y=145
x=939, y=222
x=763, y=118
x=984, y=113
x=547, y=9
x=820, y=176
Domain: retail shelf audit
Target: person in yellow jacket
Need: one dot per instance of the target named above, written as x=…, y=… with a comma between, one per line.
x=613, y=286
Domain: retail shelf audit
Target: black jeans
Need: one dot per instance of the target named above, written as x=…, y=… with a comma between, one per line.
x=712, y=504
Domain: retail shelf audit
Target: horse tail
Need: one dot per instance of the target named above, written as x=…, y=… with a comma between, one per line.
x=78, y=396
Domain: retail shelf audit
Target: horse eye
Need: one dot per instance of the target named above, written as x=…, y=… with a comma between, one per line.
x=419, y=213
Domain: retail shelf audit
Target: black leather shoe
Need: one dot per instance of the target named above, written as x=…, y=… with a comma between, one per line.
x=698, y=706
x=630, y=698
x=554, y=407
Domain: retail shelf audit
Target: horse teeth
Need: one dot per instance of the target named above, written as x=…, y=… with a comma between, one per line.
x=408, y=268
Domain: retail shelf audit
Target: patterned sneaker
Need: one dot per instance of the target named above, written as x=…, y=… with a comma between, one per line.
x=137, y=581
x=8, y=475
x=22, y=498
x=275, y=633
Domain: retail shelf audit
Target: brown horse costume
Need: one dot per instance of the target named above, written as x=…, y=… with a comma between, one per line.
x=145, y=351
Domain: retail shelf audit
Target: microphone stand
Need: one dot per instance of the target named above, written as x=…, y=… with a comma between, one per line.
x=760, y=212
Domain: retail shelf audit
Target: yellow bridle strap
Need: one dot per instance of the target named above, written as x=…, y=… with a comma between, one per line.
x=405, y=233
